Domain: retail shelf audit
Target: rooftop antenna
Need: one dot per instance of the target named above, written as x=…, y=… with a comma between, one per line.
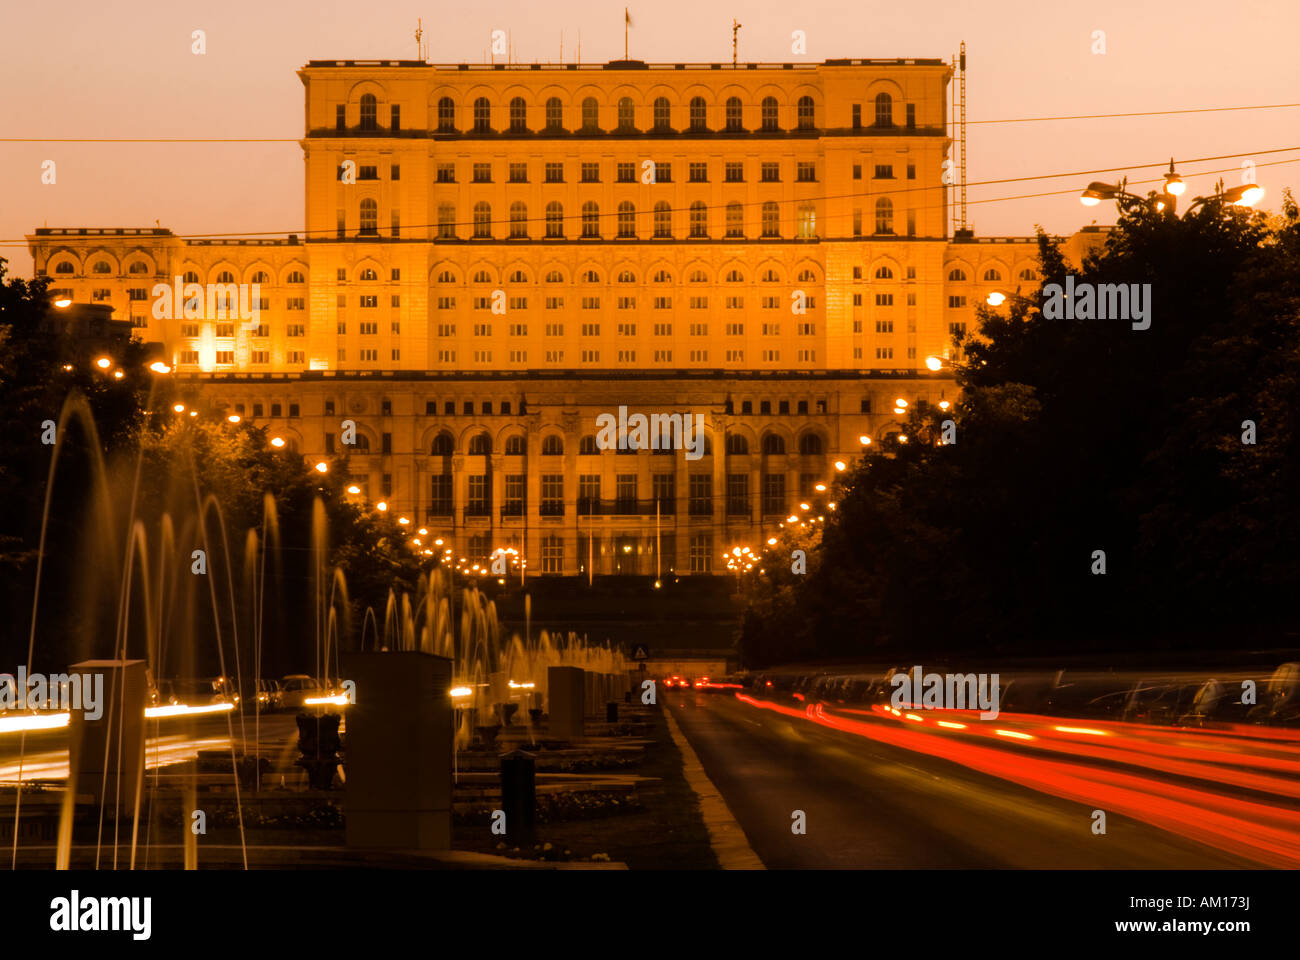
x=419, y=38
x=627, y=22
x=735, y=43
x=579, y=47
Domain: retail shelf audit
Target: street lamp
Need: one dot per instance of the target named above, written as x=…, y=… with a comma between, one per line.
x=1166, y=200
x=322, y=467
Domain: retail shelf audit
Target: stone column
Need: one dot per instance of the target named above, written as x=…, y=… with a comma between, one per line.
x=566, y=702
x=106, y=753
x=399, y=751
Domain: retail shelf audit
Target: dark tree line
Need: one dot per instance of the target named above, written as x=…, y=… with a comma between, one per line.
x=1074, y=436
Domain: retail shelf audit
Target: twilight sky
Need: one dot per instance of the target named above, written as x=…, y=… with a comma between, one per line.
x=89, y=68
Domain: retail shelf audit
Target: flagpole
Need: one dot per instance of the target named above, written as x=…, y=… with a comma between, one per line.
x=627, y=19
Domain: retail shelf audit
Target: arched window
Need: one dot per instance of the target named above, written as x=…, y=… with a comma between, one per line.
x=552, y=445
x=518, y=276
x=771, y=219
x=190, y=275
x=884, y=110
x=67, y=267
x=482, y=276
x=699, y=219
x=296, y=276
x=483, y=220
x=518, y=115
x=516, y=446
x=737, y=445
x=884, y=273
x=627, y=220
x=554, y=115
x=663, y=115
x=663, y=221
x=957, y=275
x=518, y=220
x=769, y=114
x=1029, y=273
x=443, y=445
x=482, y=115
x=369, y=110
x=735, y=276
x=368, y=275
x=587, y=446
x=810, y=444
x=225, y=276
x=626, y=116
x=626, y=276
x=140, y=266
x=555, y=277
x=369, y=218
x=591, y=220
x=773, y=444
x=260, y=277
x=361, y=443
x=698, y=123
x=662, y=276
x=884, y=215
x=590, y=276
x=806, y=275
x=770, y=276
x=992, y=276
x=698, y=276
x=735, y=221
x=480, y=445
x=805, y=113
x=735, y=115
x=102, y=266
x=555, y=220
x=446, y=276
x=590, y=116
x=446, y=115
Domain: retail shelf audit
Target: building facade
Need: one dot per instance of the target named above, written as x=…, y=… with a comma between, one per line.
x=496, y=255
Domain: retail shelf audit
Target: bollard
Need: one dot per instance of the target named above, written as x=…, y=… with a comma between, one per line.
x=611, y=712
x=519, y=795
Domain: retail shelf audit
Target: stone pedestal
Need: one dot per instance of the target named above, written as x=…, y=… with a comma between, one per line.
x=566, y=701
x=398, y=750
x=106, y=754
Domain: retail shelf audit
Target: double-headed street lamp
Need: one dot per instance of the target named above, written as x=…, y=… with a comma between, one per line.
x=1166, y=199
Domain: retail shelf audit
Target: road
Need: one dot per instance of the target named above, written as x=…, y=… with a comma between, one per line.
x=902, y=791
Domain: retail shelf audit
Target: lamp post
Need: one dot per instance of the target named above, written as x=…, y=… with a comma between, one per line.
x=1165, y=200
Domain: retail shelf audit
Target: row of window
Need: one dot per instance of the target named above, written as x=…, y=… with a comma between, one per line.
x=697, y=119
x=733, y=171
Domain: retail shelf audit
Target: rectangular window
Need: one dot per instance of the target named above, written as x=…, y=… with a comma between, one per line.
x=482, y=173
x=701, y=552
x=552, y=554
x=884, y=171
x=445, y=173
x=734, y=172
x=770, y=172
x=440, y=496
x=738, y=494
x=698, y=173
x=806, y=172
x=701, y=495
x=555, y=173
x=773, y=494
x=519, y=173
x=590, y=172
x=626, y=172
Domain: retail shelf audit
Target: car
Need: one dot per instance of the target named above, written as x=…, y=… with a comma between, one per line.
x=270, y=697
x=295, y=688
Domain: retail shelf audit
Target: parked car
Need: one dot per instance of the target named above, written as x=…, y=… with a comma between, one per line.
x=297, y=687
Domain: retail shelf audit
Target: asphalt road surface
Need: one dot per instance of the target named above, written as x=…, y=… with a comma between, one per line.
x=892, y=791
